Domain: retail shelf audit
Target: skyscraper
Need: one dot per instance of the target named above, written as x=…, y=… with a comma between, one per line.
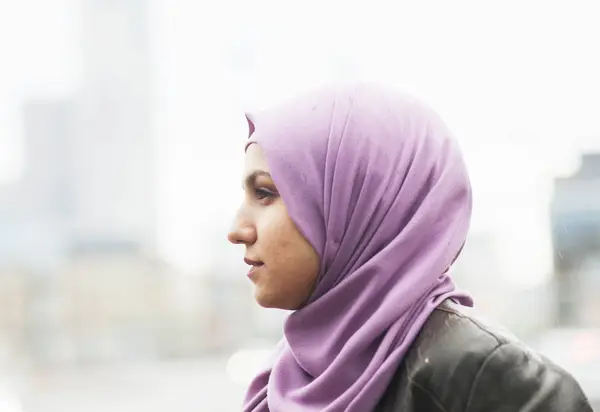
x=38, y=212
x=113, y=152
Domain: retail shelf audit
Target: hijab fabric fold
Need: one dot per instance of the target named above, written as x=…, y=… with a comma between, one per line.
x=375, y=182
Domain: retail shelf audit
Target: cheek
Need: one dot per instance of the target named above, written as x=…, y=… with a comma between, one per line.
x=277, y=234
x=292, y=263
x=280, y=239
x=294, y=258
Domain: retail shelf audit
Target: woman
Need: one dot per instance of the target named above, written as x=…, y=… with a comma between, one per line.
x=357, y=203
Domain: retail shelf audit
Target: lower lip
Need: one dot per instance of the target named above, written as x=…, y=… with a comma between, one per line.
x=253, y=271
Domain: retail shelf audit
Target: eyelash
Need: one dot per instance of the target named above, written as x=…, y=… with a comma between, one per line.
x=263, y=195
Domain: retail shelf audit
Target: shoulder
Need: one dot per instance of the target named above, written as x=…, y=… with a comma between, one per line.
x=513, y=376
x=462, y=363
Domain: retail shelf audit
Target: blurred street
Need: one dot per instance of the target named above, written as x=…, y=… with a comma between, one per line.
x=182, y=386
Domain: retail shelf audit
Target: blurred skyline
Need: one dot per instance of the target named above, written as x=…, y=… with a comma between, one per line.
x=519, y=74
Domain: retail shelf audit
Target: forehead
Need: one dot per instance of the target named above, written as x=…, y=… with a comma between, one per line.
x=255, y=160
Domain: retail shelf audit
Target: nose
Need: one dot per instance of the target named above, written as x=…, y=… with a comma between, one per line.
x=242, y=231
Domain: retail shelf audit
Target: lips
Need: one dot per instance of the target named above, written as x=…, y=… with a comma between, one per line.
x=254, y=266
x=251, y=262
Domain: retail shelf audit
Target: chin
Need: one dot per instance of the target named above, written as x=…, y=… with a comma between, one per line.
x=266, y=301
x=272, y=301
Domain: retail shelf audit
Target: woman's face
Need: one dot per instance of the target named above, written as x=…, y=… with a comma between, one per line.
x=283, y=266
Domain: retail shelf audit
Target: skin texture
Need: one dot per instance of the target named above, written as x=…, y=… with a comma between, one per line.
x=290, y=265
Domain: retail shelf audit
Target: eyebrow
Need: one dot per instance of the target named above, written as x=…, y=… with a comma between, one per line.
x=250, y=180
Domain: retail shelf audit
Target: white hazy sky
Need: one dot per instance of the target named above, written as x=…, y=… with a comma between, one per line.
x=517, y=81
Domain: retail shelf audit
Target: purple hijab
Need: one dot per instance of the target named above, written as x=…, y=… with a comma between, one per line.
x=377, y=185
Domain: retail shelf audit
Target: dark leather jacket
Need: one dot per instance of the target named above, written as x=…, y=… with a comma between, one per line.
x=458, y=364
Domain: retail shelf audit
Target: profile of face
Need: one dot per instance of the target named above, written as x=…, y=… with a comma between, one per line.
x=284, y=267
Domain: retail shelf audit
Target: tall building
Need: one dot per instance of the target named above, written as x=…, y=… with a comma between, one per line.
x=113, y=154
x=575, y=216
x=41, y=209
x=46, y=182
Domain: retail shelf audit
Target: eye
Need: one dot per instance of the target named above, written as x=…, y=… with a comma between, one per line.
x=263, y=194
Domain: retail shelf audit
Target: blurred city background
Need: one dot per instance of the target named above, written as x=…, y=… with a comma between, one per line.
x=121, y=148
